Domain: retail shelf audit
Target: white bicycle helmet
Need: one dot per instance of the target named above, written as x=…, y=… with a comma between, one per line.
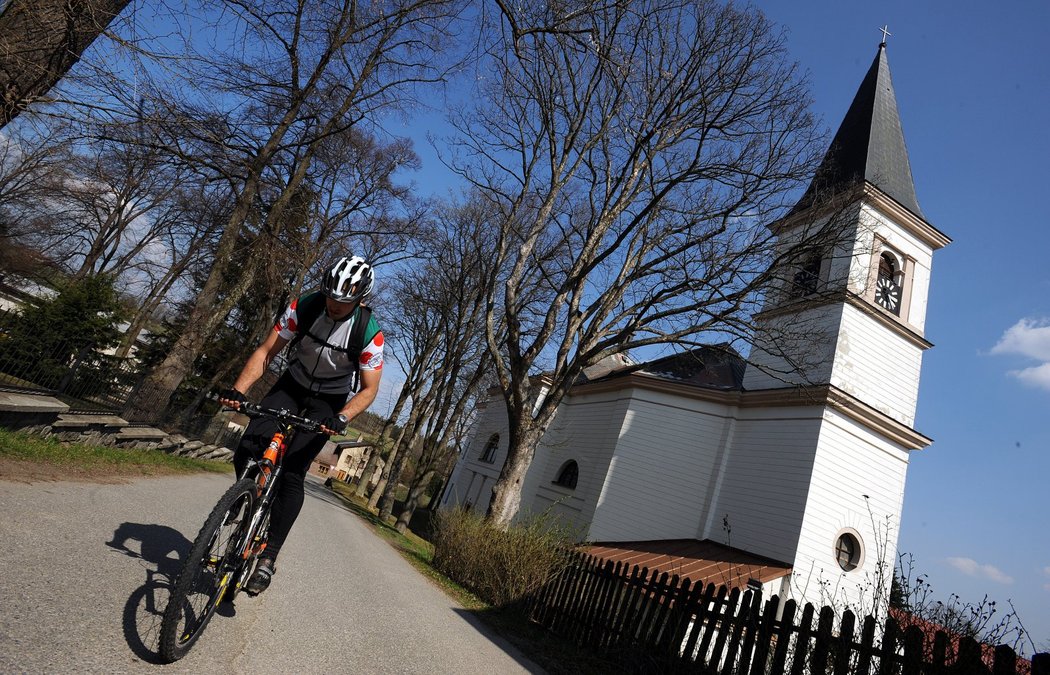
x=348, y=280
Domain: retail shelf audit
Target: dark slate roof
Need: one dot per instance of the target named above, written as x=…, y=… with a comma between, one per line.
x=869, y=145
x=709, y=366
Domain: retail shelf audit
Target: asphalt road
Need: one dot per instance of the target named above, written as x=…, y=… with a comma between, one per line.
x=85, y=571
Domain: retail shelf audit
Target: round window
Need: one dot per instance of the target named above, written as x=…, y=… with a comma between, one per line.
x=847, y=551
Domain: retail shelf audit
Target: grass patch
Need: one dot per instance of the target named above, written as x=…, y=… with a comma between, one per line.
x=40, y=456
x=503, y=566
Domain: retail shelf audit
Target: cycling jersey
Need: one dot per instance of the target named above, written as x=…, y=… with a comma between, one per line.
x=319, y=359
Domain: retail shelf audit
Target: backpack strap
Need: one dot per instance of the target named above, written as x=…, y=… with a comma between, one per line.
x=307, y=310
x=356, y=344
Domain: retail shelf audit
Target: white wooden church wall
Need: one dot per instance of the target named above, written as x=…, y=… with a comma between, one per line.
x=809, y=335
x=472, y=479
x=763, y=493
x=585, y=431
x=664, y=467
x=851, y=462
x=877, y=366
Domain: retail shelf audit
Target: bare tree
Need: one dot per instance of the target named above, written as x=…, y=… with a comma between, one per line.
x=355, y=205
x=445, y=434
x=42, y=39
x=438, y=323
x=31, y=159
x=983, y=621
x=635, y=152
x=116, y=201
x=185, y=243
x=295, y=73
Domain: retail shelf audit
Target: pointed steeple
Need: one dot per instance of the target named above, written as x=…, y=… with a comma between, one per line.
x=869, y=145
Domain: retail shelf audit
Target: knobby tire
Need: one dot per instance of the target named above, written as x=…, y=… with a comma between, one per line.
x=213, y=556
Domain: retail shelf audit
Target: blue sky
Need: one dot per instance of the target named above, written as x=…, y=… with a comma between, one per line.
x=973, y=88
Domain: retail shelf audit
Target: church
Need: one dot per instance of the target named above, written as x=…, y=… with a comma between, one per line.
x=784, y=470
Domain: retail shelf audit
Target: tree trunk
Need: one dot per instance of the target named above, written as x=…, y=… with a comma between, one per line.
x=188, y=414
x=371, y=471
x=155, y=394
x=40, y=40
x=147, y=309
x=392, y=471
x=207, y=313
x=396, y=461
x=390, y=482
x=415, y=491
x=506, y=493
x=373, y=460
x=373, y=501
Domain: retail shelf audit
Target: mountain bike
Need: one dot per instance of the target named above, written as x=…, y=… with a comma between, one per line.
x=224, y=553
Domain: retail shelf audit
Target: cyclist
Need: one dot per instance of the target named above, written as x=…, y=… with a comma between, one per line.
x=336, y=349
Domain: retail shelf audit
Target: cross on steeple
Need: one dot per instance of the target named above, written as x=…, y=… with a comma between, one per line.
x=885, y=33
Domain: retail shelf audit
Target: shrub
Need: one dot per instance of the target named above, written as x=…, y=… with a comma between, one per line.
x=501, y=567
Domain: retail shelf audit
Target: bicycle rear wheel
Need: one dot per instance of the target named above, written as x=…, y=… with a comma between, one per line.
x=212, y=564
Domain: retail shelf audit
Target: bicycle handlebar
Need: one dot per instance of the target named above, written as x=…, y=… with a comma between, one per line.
x=282, y=415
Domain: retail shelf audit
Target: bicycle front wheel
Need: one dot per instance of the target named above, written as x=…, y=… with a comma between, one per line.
x=210, y=567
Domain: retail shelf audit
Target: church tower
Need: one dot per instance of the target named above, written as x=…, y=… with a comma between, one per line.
x=849, y=311
x=833, y=375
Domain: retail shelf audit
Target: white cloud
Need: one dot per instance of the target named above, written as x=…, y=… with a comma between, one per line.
x=1037, y=376
x=971, y=567
x=1029, y=338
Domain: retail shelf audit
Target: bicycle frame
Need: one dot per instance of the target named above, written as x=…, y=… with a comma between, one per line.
x=269, y=468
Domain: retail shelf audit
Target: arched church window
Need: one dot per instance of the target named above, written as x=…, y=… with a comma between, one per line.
x=568, y=475
x=488, y=455
x=847, y=551
x=888, y=283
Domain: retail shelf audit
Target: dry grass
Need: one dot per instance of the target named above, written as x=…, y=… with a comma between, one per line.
x=501, y=566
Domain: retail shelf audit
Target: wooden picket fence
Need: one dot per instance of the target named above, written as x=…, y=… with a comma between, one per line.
x=607, y=606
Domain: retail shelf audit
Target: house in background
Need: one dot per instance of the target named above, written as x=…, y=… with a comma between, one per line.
x=16, y=291
x=344, y=460
x=709, y=466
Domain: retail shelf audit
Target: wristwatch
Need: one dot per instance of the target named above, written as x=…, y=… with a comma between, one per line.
x=343, y=419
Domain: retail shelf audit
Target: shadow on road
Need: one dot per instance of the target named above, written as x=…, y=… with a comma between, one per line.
x=492, y=624
x=156, y=545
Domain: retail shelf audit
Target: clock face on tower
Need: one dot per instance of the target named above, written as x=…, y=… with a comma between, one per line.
x=888, y=294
